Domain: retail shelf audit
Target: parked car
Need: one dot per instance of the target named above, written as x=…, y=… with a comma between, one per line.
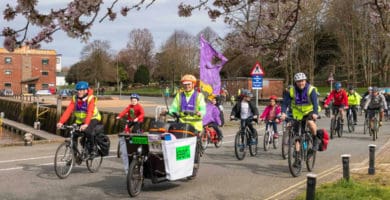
x=43, y=92
x=65, y=93
x=7, y=92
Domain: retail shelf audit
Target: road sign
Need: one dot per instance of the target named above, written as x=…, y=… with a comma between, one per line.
x=257, y=70
x=257, y=82
x=330, y=78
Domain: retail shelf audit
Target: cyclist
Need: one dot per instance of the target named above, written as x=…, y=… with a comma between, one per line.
x=340, y=101
x=189, y=100
x=375, y=101
x=387, y=97
x=245, y=109
x=212, y=117
x=303, y=100
x=83, y=107
x=135, y=113
x=353, y=102
x=271, y=114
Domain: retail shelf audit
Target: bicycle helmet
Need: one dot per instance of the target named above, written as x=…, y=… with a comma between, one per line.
x=375, y=89
x=299, y=76
x=246, y=93
x=82, y=85
x=370, y=88
x=351, y=87
x=188, y=78
x=273, y=97
x=337, y=85
x=134, y=96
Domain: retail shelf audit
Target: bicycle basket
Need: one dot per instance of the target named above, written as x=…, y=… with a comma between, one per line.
x=158, y=127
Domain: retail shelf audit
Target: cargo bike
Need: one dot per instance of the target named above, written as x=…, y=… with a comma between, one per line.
x=169, y=151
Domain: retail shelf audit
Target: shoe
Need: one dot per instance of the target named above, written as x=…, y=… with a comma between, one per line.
x=276, y=135
x=380, y=123
x=355, y=123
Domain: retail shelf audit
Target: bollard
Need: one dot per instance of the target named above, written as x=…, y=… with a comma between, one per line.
x=371, y=168
x=345, y=161
x=311, y=186
x=28, y=138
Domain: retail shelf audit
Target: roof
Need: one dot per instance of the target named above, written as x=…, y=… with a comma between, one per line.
x=27, y=50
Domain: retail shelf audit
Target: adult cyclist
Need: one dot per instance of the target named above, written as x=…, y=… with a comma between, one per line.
x=303, y=99
x=353, y=102
x=340, y=102
x=374, y=102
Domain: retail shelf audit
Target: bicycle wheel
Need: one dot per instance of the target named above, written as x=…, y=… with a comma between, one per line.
x=240, y=145
x=366, y=127
x=218, y=144
x=63, y=160
x=253, y=147
x=118, y=151
x=266, y=140
x=135, y=178
x=294, y=157
x=332, y=128
x=275, y=142
x=339, y=128
x=204, y=140
x=375, y=129
x=94, y=164
x=285, y=142
x=350, y=122
x=310, y=155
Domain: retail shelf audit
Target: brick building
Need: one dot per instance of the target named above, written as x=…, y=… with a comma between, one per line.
x=271, y=86
x=26, y=70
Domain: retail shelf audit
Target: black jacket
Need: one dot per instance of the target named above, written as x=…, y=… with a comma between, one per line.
x=236, y=111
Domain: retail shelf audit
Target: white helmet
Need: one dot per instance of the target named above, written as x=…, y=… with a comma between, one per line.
x=299, y=76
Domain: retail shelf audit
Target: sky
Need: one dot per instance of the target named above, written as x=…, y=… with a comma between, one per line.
x=161, y=19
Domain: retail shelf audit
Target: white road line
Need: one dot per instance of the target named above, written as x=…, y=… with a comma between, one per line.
x=44, y=164
x=24, y=159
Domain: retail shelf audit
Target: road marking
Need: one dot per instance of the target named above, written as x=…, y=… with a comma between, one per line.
x=44, y=164
x=24, y=159
x=289, y=189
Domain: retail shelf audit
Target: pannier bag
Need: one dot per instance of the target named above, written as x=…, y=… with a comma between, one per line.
x=323, y=135
x=181, y=130
x=102, y=140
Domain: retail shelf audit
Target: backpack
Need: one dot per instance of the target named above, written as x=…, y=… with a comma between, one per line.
x=323, y=135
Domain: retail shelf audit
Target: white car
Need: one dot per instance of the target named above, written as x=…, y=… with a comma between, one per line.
x=43, y=92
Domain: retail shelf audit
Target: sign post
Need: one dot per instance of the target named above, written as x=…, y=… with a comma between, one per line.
x=257, y=74
x=331, y=79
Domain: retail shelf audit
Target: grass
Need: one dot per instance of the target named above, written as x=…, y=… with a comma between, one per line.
x=360, y=187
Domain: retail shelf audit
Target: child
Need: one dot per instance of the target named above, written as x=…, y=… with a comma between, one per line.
x=270, y=114
x=135, y=115
x=244, y=109
x=212, y=117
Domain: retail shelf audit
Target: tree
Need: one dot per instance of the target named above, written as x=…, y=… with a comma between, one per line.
x=142, y=75
x=140, y=47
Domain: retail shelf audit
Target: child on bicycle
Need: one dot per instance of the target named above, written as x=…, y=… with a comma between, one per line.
x=135, y=115
x=212, y=117
x=245, y=109
x=271, y=114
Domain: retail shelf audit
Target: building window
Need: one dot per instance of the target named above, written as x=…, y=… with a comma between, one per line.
x=58, y=61
x=45, y=86
x=45, y=61
x=7, y=60
x=7, y=72
x=7, y=84
x=45, y=73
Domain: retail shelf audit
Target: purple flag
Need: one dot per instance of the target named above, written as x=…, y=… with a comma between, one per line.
x=210, y=81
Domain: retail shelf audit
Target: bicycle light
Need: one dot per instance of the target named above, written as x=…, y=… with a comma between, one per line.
x=139, y=149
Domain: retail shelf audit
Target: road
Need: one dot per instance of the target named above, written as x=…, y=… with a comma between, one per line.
x=27, y=172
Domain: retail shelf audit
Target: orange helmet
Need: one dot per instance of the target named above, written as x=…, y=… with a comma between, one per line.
x=273, y=97
x=188, y=78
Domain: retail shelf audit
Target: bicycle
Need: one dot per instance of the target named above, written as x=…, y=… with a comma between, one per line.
x=269, y=137
x=373, y=116
x=350, y=121
x=366, y=124
x=300, y=148
x=69, y=153
x=336, y=125
x=244, y=139
x=127, y=130
x=209, y=135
